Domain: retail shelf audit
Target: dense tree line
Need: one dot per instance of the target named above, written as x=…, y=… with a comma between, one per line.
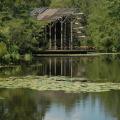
x=19, y=33
x=103, y=21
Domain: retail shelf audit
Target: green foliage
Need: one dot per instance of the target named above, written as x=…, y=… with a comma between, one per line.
x=7, y=58
x=3, y=49
x=18, y=30
x=103, y=21
x=103, y=25
x=27, y=57
x=26, y=36
x=61, y=3
x=20, y=34
x=114, y=9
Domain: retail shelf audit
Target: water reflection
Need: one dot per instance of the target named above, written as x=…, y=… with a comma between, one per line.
x=99, y=68
x=32, y=105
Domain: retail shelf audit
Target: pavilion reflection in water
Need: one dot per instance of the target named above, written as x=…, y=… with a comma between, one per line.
x=62, y=66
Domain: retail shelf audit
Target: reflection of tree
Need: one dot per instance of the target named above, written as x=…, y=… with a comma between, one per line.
x=9, y=71
x=33, y=105
x=111, y=102
x=103, y=68
x=42, y=67
x=68, y=100
x=2, y=110
x=20, y=105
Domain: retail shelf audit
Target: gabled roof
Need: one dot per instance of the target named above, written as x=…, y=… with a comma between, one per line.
x=50, y=14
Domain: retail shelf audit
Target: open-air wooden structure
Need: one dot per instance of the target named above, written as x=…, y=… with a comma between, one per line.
x=65, y=28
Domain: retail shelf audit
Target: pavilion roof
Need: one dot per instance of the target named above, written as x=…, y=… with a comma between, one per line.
x=51, y=14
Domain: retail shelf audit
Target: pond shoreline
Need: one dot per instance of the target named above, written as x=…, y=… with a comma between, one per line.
x=89, y=54
x=50, y=84
x=57, y=55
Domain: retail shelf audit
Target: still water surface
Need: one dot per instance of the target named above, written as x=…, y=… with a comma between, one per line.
x=25, y=104
x=22, y=104
x=98, y=68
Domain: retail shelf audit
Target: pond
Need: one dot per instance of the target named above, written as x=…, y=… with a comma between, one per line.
x=102, y=68
x=22, y=104
x=39, y=92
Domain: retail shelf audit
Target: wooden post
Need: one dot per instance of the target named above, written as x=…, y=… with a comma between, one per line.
x=61, y=66
x=45, y=34
x=55, y=66
x=61, y=35
x=71, y=68
x=50, y=41
x=50, y=66
x=64, y=66
x=45, y=69
x=71, y=42
x=55, y=44
x=65, y=35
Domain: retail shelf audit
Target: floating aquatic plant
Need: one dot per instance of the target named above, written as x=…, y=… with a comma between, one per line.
x=44, y=83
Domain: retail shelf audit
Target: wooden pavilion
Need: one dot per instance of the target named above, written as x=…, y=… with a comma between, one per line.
x=65, y=28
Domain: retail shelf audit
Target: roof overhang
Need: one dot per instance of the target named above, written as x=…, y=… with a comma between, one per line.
x=50, y=14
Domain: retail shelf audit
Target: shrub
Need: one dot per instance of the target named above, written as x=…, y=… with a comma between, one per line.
x=3, y=49
x=27, y=57
x=15, y=57
x=6, y=58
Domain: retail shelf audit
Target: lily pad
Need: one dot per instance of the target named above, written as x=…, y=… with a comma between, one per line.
x=42, y=83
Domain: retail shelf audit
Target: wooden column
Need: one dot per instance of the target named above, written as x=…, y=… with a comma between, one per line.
x=71, y=39
x=61, y=66
x=71, y=67
x=50, y=66
x=69, y=61
x=55, y=62
x=65, y=35
x=55, y=42
x=61, y=35
x=45, y=33
x=50, y=40
x=45, y=69
x=64, y=66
